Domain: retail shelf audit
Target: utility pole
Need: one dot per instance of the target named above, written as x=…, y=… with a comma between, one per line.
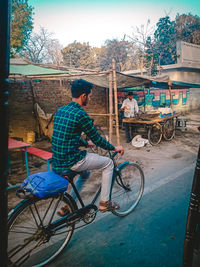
x=4, y=73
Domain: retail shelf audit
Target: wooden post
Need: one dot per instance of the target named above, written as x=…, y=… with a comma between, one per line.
x=170, y=93
x=110, y=107
x=116, y=101
x=144, y=98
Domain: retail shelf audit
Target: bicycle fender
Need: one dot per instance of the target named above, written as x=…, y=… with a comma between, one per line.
x=17, y=207
x=122, y=165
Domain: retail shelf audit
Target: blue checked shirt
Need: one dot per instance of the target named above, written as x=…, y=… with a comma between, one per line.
x=69, y=122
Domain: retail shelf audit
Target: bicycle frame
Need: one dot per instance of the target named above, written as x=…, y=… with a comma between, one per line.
x=77, y=214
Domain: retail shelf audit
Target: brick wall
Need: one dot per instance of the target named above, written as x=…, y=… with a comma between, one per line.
x=50, y=95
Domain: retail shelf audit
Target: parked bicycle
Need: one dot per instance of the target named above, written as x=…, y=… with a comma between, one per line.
x=37, y=235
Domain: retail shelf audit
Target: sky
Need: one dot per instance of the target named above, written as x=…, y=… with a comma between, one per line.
x=95, y=21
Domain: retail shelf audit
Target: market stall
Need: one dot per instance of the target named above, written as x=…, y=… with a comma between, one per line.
x=155, y=126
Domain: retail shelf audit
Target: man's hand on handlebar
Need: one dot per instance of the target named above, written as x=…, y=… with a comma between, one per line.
x=119, y=149
x=90, y=144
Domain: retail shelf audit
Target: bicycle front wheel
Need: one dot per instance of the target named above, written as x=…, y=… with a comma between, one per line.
x=30, y=241
x=128, y=188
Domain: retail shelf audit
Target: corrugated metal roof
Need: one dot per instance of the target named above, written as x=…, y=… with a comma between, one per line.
x=29, y=69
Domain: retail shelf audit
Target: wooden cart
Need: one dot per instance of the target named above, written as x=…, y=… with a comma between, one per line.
x=156, y=127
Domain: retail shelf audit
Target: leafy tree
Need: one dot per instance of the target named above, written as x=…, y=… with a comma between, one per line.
x=188, y=28
x=151, y=57
x=165, y=41
x=114, y=49
x=77, y=55
x=21, y=25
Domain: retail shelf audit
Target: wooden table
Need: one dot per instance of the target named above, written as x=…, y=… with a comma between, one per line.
x=15, y=144
x=157, y=127
x=149, y=121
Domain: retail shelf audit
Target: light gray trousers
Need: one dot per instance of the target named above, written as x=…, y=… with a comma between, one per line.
x=94, y=161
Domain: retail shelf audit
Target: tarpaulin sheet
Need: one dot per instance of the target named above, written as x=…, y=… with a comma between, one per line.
x=102, y=80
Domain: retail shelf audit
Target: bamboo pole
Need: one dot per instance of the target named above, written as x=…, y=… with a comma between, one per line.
x=116, y=102
x=170, y=94
x=57, y=76
x=144, y=98
x=107, y=104
x=110, y=107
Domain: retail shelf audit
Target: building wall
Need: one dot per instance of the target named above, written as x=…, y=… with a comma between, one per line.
x=50, y=95
x=184, y=100
x=187, y=52
x=184, y=75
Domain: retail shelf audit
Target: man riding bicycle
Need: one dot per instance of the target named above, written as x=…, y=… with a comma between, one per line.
x=69, y=122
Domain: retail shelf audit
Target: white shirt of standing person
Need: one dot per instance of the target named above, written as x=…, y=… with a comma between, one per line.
x=130, y=107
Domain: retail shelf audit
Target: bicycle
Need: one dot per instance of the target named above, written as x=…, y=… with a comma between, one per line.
x=37, y=235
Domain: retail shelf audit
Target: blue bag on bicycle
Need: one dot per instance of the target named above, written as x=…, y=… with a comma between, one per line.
x=44, y=184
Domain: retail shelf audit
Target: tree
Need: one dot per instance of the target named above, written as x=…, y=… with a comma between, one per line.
x=188, y=28
x=151, y=57
x=114, y=49
x=54, y=49
x=21, y=25
x=139, y=40
x=165, y=41
x=41, y=48
x=78, y=55
x=163, y=48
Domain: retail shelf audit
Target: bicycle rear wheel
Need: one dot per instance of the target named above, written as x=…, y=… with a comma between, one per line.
x=128, y=188
x=29, y=241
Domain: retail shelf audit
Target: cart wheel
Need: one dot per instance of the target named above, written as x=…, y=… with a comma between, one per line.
x=168, y=129
x=155, y=134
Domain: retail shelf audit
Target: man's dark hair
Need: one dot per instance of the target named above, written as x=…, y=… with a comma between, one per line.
x=80, y=87
x=130, y=93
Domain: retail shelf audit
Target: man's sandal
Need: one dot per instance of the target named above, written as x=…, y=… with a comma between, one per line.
x=108, y=206
x=63, y=211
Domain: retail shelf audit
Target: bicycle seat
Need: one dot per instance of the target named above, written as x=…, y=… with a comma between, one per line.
x=68, y=174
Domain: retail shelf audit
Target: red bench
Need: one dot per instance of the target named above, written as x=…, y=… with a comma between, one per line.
x=45, y=155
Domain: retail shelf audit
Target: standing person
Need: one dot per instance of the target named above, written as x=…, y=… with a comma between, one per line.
x=69, y=122
x=130, y=108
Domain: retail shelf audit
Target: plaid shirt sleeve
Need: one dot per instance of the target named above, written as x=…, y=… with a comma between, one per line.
x=89, y=129
x=83, y=142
